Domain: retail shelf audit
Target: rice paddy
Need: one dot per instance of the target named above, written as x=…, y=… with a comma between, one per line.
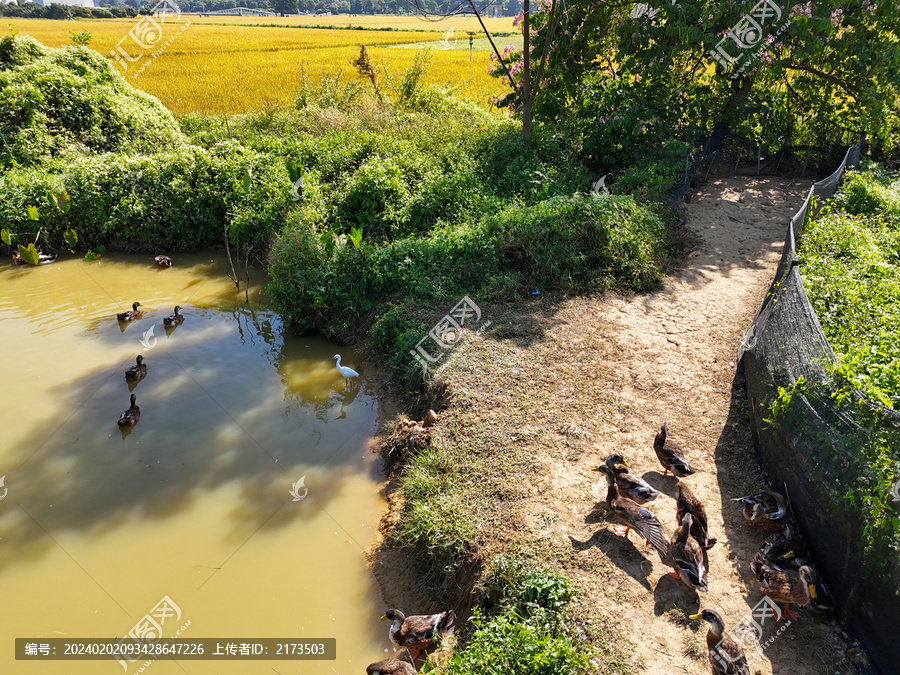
x=227, y=65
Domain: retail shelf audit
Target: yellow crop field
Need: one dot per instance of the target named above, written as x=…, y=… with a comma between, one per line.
x=225, y=65
x=460, y=24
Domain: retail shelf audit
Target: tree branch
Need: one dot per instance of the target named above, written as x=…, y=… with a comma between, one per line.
x=551, y=29
x=853, y=91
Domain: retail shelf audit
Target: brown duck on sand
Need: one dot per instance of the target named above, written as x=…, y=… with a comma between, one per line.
x=725, y=655
x=689, y=565
x=670, y=455
x=766, y=508
x=633, y=515
x=630, y=485
x=796, y=587
x=686, y=502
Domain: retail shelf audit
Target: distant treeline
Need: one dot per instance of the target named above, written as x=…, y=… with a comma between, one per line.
x=32, y=10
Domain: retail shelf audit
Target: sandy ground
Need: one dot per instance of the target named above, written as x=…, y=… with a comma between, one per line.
x=596, y=375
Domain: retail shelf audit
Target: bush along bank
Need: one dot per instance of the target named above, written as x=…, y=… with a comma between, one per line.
x=851, y=272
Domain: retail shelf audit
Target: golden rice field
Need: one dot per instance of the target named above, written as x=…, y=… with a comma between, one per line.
x=228, y=65
x=458, y=23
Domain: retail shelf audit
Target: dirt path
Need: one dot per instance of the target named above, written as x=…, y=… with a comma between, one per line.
x=670, y=356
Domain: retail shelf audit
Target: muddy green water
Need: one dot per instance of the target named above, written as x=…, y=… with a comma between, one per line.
x=194, y=503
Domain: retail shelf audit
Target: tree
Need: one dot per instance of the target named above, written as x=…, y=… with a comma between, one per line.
x=285, y=6
x=637, y=74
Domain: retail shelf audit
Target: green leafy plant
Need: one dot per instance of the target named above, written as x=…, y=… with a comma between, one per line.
x=296, y=173
x=29, y=254
x=782, y=401
x=56, y=203
x=93, y=255
x=524, y=627
x=851, y=274
x=82, y=38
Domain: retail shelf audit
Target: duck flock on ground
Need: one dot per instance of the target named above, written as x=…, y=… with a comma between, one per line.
x=782, y=566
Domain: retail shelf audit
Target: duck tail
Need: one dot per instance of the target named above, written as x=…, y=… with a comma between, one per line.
x=446, y=621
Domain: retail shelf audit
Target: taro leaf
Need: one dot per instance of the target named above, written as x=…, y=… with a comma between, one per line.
x=51, y=201
x=70, y=237
x=63, y=203
x=101, y=248
x=248, y=178
x=6, y=236
x=33, y=213
x=29, y=254
x=356, y=236
x=295, y=169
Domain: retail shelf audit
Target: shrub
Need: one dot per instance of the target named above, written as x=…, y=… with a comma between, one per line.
x=375, y=199
x=868, y=193
x=560, y=244
x=62, y=101
x=852, y=276
x=175, y=199
x=525, y=630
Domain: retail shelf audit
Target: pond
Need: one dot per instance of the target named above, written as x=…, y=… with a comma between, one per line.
x=246, y=494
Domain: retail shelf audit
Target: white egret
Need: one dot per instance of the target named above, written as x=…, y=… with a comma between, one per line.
x=348, y=373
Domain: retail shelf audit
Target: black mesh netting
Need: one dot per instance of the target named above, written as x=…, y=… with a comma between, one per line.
x=814, y=448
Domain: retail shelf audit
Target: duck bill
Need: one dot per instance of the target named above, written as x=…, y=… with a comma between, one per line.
x=697, y=616
x=812, y=591
x=384, y=618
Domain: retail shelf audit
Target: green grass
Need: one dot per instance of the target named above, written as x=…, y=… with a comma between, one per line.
x=523, y=625
x=434, y=518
